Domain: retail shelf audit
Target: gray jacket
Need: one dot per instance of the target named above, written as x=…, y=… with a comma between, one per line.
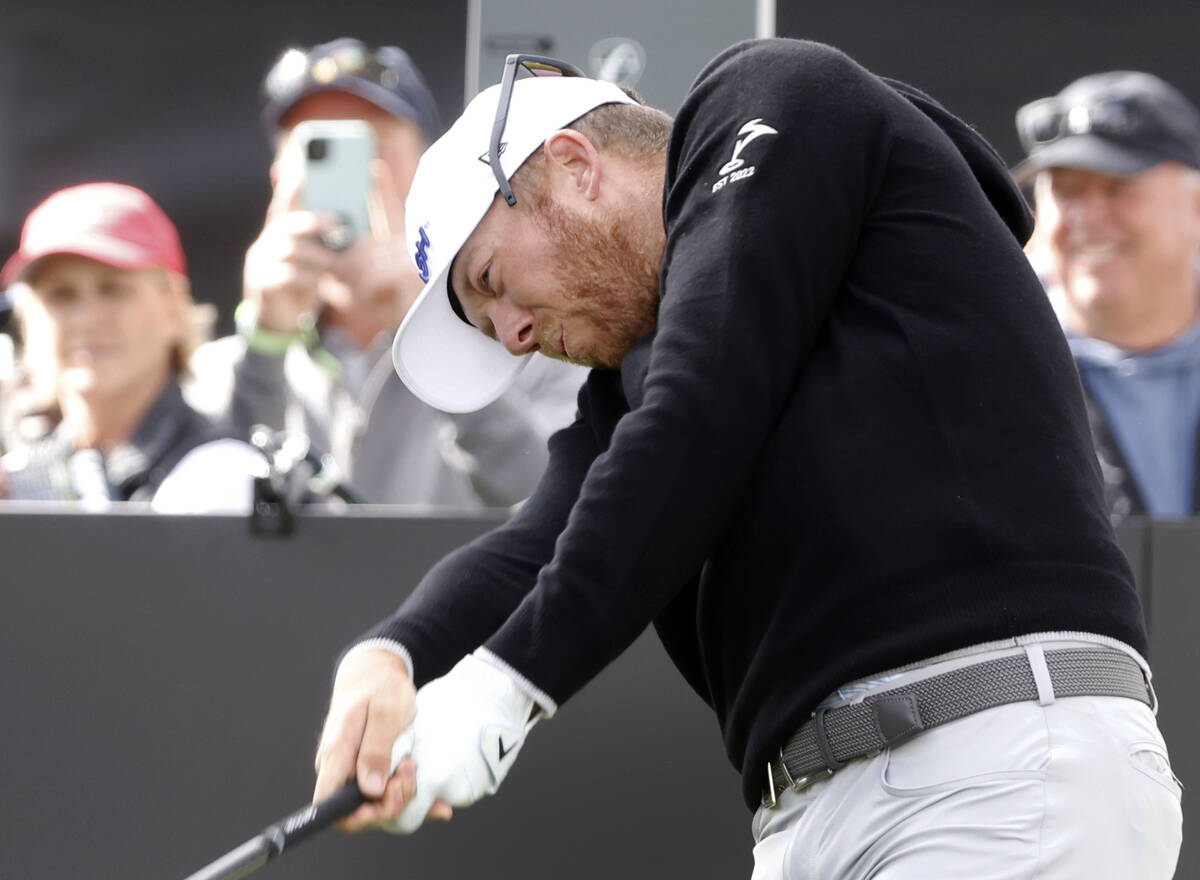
x=394, y=448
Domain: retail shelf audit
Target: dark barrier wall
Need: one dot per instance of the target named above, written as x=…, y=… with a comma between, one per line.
x=1172, y=571
x=163, y=680
x=162, y=684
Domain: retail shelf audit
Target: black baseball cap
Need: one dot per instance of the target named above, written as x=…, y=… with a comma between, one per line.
x=1118, y=123
x=385, y=76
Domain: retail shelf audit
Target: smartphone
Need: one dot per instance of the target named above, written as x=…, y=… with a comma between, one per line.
x=337, y=175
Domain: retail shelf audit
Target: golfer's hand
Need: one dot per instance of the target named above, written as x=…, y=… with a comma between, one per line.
x=469, y=729
x=372, y=704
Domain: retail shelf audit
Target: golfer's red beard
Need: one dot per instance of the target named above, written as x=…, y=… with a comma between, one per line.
x=608, y=279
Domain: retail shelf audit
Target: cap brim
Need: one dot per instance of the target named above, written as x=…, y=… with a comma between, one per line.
x=110, y=251
x=447, y=363
x=1088, y=153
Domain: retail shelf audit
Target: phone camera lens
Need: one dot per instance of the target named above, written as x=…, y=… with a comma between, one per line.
x=318, y=149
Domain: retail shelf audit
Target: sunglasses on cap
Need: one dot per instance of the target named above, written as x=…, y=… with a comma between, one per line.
x=538, y=65
x=296, y=68
x=1047, y=120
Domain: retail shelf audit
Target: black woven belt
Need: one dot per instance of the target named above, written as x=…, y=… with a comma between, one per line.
x=834, y=736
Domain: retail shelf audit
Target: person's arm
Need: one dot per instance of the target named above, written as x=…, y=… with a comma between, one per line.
x=750, y=275
x=461, y=601
x=752, y=269
x=240, y=382
x=237, y=387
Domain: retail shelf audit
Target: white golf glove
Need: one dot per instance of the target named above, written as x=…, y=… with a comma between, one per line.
x=470, y=726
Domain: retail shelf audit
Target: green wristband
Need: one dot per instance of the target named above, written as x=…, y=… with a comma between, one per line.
x=270, y=342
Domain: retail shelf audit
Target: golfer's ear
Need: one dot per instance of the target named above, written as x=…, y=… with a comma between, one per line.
x=573, y=160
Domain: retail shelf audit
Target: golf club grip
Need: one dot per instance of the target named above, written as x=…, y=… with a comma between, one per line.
x=311, y=819
x=254, y=853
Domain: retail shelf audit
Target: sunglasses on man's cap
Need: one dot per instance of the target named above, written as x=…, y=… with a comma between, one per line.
x=1119, y=123
x=386, y=77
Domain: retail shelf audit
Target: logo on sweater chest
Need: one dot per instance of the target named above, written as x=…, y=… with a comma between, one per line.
x=736, y=168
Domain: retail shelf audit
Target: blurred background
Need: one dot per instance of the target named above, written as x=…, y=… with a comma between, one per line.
x=168, y=99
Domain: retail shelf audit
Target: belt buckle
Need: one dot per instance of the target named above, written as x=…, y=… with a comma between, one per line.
x=805, y=781
x=770, y=799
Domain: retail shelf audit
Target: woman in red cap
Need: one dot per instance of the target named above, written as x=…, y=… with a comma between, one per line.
x=104, y=303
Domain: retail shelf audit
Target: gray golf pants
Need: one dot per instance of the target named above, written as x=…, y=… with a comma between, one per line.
x=1079, y=788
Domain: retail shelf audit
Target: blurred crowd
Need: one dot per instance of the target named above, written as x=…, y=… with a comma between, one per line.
x=112, y=389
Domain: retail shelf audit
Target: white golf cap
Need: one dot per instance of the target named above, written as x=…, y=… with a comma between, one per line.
x=444, y=361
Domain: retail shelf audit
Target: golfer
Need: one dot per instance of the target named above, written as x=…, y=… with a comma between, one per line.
x=833, y=448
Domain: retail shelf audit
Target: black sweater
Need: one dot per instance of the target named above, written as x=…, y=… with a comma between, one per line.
x=855, y=440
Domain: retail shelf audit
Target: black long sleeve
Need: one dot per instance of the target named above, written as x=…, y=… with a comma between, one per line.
x=855, y=440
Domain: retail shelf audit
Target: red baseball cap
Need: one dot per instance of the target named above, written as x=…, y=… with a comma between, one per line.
x=108, y=222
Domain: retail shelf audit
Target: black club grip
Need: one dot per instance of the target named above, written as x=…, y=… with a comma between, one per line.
x=311, y=819
x=254, y=853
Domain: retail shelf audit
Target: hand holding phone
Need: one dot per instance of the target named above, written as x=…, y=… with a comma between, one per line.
x=330, y=232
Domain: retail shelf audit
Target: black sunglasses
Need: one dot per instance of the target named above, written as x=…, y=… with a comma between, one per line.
x=296, y=68
x=1047, y=120
x=538, y=65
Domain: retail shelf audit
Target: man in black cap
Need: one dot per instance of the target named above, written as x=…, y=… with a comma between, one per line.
x=312, y=354
x=1114, y=159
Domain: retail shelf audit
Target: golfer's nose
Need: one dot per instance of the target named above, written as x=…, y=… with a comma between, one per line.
x=514, y=328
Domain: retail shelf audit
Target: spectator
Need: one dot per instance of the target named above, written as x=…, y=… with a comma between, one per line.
x=1114, y=161
x=104, y=306
x=315, y=325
